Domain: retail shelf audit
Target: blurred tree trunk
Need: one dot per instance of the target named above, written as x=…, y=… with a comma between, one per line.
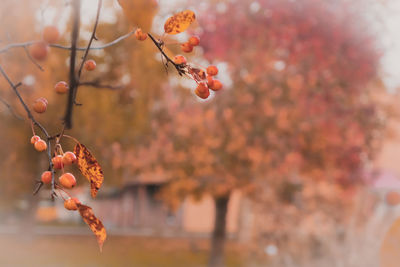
x=219, y=233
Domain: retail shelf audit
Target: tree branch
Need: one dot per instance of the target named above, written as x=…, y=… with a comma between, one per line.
x=76, y=5
x=98, y=84
x=10, y=109
x=35, y=122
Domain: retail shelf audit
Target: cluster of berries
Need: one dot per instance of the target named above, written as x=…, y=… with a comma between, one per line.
x=66, y=180
x=39, y=50
x=192, y=42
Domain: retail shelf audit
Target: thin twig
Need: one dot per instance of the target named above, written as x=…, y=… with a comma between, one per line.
x=98, y=84
x=100, y=47
x=31, y=59
x=10, y=109
x=179, y=68
x=34, y=121
x=92, y=37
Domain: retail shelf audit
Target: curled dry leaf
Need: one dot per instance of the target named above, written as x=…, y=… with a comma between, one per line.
x=95, y=224
x=179, y=22
x=89, y=167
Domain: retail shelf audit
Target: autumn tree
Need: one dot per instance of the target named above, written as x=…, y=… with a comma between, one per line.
x=300, y=108
x=92, y=63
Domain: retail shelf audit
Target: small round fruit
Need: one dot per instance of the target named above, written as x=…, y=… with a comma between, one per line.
x=40, y=145
x=203, y=95
x=67, y=180
x=202, y=88
x=210, y=81
x=51, y=34
x=61, y=87
x=39, y=50
x=216, y=85
x=71, y=203
x=68, y=158
x=140, y=35
x=34, y=139
x=179, y=59
x=58, y=162
x=46, y=177
x=40, y=105
x=212, y=70
x=194, y=41
x=186, y=47
x=90, y=64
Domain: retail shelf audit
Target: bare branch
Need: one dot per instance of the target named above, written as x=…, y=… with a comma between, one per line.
x=158, y=44
x=98, y=84
x=33, y=60
x=76, y=5
x=29, y=43
x=10, y=109
x=34, y=121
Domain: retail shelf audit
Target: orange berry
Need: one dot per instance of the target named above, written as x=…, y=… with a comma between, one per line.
x=216, y=85
x=67, y=180
x=90, y=64
x=179, y=59
x=57, y=162
x=40, y=145
x=61, y=87
x=40, y=105
x=392, y=198
x=44, y=100
x=186, y=47
x=212, y=70
x=194, y=41
x=39, y=50
x=34, y=139
x=140, y=35
x=68, y=158
x=46, y=177
x=51, y=34
x=202, y=88
x=203, y=95
x=71, y=203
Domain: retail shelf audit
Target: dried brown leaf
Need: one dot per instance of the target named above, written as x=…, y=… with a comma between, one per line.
x=94, y=224
x=89, y=167
x=179, y=22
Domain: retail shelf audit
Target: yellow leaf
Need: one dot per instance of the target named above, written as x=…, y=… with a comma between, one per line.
x=179, y=22
x=389, y=254
x=94, y=224
x=89, y=167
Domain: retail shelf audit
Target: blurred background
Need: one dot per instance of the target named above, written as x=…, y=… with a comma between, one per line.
x=296, y=159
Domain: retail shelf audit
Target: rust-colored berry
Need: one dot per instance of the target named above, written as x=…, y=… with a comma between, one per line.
x=34, y=139
x=58, y=162
x=203, y=95
x=40, y=105
x=202, y=87
x=216, y=85
x=194, y=41
x=202, y=90
x=39, y=50
x=71, y=203
x=46, y=177
x=140, y=35
x=186, y=47
x=179, y=59
x=40, y=145
x=90, y=65
x=68, y=158
x=61, y=87
x=51, y=34
x=67, y=180
x=212, y=70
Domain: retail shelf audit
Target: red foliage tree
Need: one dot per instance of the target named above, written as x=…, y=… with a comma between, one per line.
x=300, y=107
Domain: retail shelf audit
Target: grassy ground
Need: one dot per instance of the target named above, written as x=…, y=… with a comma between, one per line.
x=71, y=251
